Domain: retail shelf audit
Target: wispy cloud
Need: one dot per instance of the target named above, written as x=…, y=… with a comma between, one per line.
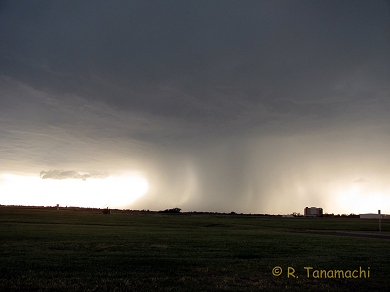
x=60, y=174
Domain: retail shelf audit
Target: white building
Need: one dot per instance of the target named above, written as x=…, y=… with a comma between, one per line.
x=374, y=216
x=313, y=212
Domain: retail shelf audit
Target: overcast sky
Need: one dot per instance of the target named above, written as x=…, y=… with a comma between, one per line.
x=246, y=106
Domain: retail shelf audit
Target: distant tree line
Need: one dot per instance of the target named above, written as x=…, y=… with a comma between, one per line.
x=173, y=210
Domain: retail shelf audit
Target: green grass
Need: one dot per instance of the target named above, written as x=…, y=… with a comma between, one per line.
x=45, y=249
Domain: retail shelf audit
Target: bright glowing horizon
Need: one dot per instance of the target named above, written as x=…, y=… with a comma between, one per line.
x=113, y=191
x=363, y=200
x=121, y=191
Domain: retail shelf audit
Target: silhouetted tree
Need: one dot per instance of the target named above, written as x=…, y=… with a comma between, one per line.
x=173, y=210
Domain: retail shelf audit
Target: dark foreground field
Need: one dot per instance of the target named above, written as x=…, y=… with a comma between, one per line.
x=45, y=249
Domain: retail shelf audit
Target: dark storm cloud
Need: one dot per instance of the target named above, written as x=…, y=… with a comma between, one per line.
x=213, y=100
x=208, y=61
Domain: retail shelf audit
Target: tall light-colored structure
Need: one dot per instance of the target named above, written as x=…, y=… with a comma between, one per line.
x=313, y=212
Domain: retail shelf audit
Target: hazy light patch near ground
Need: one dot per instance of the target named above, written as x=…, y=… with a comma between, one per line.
x=362, y=200
x=113, y=191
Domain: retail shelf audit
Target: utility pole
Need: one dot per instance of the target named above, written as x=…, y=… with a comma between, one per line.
x=379, y=213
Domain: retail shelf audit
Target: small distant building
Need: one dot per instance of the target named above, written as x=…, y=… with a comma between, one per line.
x=374, y=216
x=313, y=212
x=288, y=216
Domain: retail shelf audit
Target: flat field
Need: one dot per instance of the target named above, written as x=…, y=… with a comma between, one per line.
x=85, y=250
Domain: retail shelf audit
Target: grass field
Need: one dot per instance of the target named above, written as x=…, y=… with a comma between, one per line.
x=85, y=250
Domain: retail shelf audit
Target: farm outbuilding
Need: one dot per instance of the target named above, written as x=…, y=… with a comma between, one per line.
x=374, y=216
